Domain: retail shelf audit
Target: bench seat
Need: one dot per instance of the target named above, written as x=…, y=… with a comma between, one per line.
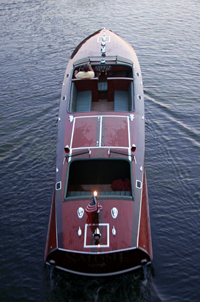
x=121, y=101
x=84, y=101
x=101, y=193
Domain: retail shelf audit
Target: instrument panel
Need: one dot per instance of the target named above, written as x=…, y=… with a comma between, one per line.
x=102, y=68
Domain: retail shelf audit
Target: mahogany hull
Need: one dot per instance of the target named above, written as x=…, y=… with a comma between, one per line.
x=100, y=146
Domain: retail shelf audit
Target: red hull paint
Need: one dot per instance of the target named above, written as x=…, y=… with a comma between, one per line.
x=102, y=135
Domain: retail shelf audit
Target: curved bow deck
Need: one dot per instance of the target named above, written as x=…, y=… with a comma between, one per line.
x=100, y=147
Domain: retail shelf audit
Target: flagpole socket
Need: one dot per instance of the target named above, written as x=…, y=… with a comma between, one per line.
x=97, y=234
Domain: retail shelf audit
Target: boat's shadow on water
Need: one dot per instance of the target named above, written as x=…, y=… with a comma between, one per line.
x=134, y=286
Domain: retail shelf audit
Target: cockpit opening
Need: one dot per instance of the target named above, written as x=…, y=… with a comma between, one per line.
x=111, y=89
x=111, y=178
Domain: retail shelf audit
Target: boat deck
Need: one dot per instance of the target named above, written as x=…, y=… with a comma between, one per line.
x=100, y=147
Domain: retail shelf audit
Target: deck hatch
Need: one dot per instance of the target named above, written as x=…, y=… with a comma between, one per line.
x=106, y=131
x=84, y=133
x=89, y=242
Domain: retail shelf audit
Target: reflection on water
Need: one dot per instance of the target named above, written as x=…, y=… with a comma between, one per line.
x=37, y=39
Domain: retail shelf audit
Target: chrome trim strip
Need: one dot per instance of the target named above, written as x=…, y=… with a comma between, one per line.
x=100, y=275
x=138, y=231
x=100, y=131
x=108, y=252
x=129, y=138
x=103, y=147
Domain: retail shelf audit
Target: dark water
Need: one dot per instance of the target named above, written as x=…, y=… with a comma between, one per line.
x=37, y=38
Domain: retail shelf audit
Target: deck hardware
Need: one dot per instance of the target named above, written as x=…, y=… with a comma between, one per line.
x=131, y=117
x=78, y=153
x=139, y=97
x=58, y=185
x=80, y=212
x=138, y=184
x=121, y=153
x=142, y=117
x=137, y=73
x=64, y=98
x=59, y=119
x=141, y=168
x=71, y=118
x=67, y=149
x=103, y=49
x=133, y=148
x=113, y=231
x=79, y=232
x=57, y=170
x=52, y=262
x=103, y=45
x=63, y=84
x=67, y=75
x=114, y=212
x=144, y=261
x=97, y=235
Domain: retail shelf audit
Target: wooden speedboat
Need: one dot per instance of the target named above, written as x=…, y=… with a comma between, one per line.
x=99, y=222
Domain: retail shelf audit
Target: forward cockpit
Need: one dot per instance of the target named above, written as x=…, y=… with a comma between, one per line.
x=111, y=89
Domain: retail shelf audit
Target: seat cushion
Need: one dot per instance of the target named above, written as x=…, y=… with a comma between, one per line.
x=102, y=86
x=121, y=102
x=84, y=100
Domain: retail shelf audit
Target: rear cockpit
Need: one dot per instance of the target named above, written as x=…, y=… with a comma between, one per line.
x=111, y=89
x=111, y=178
